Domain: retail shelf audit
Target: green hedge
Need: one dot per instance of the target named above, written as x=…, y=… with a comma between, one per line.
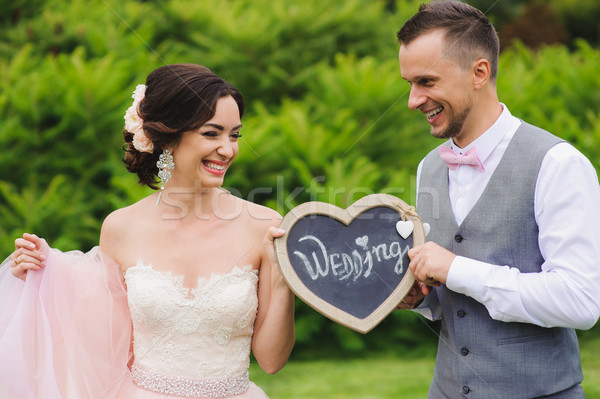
x=327, y=117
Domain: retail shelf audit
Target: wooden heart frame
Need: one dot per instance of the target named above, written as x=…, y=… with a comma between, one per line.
x=347, y=216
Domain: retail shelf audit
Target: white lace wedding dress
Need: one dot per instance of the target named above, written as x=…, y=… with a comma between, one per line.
x=66, y=332
x=192, y=342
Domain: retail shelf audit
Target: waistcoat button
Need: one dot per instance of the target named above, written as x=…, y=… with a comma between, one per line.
x=458, y=238
x=466, y=389
x=461, y=313
x=464, y=351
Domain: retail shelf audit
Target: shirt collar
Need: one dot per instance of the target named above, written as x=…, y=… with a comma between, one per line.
x=490, y=138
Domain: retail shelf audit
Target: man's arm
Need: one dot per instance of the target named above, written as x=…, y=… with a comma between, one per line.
x=565, y=293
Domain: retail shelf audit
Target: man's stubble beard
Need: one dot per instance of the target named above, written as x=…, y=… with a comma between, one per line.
x=456, y=124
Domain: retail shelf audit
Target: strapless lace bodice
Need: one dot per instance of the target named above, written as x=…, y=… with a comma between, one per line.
x=200, y=333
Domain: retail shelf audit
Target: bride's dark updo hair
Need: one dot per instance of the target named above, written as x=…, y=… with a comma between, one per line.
x=179, y=98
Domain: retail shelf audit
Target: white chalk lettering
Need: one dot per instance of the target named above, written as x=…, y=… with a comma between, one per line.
x=354, y=265
x=348, y=266
x=314, y=272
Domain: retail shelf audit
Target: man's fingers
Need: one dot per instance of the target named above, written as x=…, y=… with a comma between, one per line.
x=414, y=251
x=418, y=268
x=415, y=265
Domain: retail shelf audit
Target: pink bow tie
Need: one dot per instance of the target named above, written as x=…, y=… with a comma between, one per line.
x=454, y=160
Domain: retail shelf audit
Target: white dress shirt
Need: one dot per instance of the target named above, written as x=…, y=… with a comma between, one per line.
x=566, y=292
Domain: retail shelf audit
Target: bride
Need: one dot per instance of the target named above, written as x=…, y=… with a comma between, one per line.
x=183, y=284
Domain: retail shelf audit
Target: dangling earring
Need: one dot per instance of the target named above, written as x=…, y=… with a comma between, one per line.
x=165, y=165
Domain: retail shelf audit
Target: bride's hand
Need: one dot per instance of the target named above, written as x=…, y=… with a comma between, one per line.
x=270, y=257
x=28, y=255
x=272, y=233
x=415, y=296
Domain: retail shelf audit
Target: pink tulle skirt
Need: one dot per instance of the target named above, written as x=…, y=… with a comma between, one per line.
x=66, y=332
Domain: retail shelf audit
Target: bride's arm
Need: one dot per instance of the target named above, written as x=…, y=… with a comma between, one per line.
x=28, y=255
x=274, y=333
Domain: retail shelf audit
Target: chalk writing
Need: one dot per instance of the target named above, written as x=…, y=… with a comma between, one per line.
x=352, y=265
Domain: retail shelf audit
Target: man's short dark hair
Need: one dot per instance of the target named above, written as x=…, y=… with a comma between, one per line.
x=468, y=34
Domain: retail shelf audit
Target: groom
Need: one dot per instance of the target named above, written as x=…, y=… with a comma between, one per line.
x=513, y=266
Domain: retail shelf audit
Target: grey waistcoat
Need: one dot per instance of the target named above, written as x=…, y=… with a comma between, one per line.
x=479, y=357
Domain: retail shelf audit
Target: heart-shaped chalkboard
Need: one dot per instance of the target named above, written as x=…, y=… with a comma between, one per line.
x=350, y=264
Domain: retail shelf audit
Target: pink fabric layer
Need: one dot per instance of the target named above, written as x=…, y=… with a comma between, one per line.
x=65, y=333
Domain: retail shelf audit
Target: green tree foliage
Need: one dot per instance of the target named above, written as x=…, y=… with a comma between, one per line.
x=580, y=17
x=327, y=117
x=543, y=21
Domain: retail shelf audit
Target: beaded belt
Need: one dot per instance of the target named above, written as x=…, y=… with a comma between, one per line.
x=189, y=387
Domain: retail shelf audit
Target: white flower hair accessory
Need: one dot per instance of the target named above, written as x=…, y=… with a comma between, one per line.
x=134, y=123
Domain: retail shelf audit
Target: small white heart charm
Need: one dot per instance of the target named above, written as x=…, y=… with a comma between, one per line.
x=405, y=228
x=426, y=228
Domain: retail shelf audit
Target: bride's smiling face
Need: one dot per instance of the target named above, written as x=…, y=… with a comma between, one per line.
x=204, y=155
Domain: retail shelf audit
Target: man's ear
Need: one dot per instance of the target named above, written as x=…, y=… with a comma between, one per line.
x=481, y=73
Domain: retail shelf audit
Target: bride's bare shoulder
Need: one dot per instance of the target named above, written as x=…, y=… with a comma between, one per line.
x=261, y=215
x=124, y=216
x=120, y=223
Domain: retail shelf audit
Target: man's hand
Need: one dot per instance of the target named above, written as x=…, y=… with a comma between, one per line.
x=430, y=263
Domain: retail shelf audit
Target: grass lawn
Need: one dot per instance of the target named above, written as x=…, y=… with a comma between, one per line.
x=381, y=377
